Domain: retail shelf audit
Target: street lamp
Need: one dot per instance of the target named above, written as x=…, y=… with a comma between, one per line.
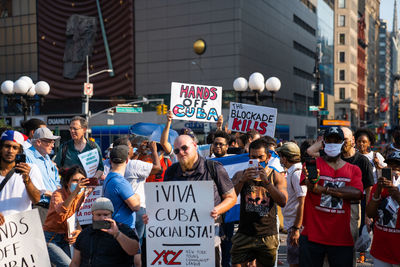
x=23, y=91
x=257, y=85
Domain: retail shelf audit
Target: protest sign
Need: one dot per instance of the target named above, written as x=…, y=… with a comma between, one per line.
x=180, y=229
x=196, y=102
x=90, y=162
x=244, y=118
x=22, y=241
x=84, y=213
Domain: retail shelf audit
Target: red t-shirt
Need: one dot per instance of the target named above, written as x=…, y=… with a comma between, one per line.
x=386, y=240
x=326, y=219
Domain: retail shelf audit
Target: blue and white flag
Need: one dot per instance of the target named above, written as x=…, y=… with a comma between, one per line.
x=275, y=162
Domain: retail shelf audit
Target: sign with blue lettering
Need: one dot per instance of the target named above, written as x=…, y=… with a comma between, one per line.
x=196, y=102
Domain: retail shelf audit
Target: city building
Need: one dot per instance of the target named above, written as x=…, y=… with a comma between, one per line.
x=395, y=70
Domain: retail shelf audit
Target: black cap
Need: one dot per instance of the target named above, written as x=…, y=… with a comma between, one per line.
x=119, y=154
x=393, y=158
x=334, y=131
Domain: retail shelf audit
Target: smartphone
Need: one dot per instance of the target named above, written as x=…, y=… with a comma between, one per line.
x=93, y=182
x=253, y=163
x=96, y=225
x=18, y=159
x=311, y=166
x=387, y=173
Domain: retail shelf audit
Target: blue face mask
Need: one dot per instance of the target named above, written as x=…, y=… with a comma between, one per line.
x=73, y=187
x=263, y=164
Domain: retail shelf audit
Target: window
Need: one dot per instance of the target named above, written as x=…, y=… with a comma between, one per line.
x=382, y=52
x=342, y=92
x=342, y=21
x=342, y=3
x=342, y=57
x=342, y=39
x=341, y=75
x=5, y=8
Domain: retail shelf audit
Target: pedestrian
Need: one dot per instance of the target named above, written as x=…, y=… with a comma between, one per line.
x=68, y=152
x=42, y=146
x=21, y=183
x=261, y=189
x=111, y=246
x=327, y=211
x=219, y=146
x=63, y=205
x=289, y=154
x=30, y=127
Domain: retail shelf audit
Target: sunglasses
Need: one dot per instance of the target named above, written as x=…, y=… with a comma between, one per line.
x=219, y=144
x=178, y=150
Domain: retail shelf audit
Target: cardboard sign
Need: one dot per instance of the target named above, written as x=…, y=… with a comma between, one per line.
x=84, y=213
x=90, y=162
x=196, y=102
x=244, y=118
x=180, y=229
x=22, y=241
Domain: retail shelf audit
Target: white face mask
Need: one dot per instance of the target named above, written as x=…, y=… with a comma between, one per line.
x=332, y=150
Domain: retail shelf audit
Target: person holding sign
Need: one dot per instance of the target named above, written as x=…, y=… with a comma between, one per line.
x=63, y=205
x=116, y=243
x=68, y=154
x=261, y=189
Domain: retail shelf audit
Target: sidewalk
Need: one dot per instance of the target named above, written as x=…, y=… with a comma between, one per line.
x=282, y=254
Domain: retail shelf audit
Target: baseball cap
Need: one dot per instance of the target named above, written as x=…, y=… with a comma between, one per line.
x=393, y=158
x=44, y=133
x=334, y=131
x=102, y=203
x=119, y=154
x=289, y=149
x=15, y=136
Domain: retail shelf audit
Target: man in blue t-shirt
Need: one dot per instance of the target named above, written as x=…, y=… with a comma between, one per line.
x=118, y=189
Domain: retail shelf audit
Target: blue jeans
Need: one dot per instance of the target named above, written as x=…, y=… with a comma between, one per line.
x=59, y=251
x=139, y=225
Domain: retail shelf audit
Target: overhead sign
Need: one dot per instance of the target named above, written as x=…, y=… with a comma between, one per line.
x=324, y=112
x=196, y=102
x=128, y=109
x=313, y=108
x=59, y=120
x=180, y=230
x=88, y=89
x=244, y=118
x=335, y=123
x=22, y=241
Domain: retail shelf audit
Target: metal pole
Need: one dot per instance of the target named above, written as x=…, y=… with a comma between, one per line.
x=256, y=92
x=103, y=32
x=87, y=96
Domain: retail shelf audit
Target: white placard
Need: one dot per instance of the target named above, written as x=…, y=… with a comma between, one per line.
x=180, y=229
x=84, y=213
x=90, y=162
x=244, y=118
x=196, y=102
x=22, y=241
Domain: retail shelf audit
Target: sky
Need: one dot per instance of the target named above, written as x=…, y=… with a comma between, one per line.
x=386, y=12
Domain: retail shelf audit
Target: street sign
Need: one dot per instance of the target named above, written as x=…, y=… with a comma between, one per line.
x=128, y=109
x=313, y=108
x=88, y=89
x=324, y=112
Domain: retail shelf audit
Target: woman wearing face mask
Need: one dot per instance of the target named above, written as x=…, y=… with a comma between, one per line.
x=64, y=203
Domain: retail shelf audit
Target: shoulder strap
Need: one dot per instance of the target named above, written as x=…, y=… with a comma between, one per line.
x=8, y=176
x=210, y=164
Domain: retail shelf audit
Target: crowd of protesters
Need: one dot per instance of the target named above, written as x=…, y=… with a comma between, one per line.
x=328, y=190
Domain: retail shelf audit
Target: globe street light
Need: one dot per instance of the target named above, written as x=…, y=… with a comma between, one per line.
x=257, y=85
x=23, y=91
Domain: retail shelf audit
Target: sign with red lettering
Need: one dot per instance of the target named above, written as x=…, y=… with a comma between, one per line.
x=196, y=102
x=244, y=118
x=84, y=213
x=181, y=230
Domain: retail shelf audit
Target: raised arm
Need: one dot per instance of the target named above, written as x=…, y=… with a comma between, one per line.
x=165, y=133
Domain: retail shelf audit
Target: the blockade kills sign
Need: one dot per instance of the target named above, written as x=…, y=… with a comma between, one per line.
x=180, y=229
x=22, y=241
x=196, y=102
x=244, y=118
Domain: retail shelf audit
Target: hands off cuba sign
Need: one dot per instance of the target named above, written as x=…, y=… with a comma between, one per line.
x=196, y=102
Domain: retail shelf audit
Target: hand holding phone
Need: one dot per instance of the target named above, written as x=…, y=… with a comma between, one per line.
x=97, y=225
x=93, y=182
x=18, y=159
x=311, y=166
x=387, y=173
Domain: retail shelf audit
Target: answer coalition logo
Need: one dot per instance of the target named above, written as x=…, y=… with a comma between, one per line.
x=167, y=257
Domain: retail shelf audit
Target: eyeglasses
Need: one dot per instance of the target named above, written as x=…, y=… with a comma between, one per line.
x=183, y=148
x=74, y=129
x=48, y=141
x=219, y=144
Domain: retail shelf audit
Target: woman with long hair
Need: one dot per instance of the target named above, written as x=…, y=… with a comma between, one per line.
x=64, y=203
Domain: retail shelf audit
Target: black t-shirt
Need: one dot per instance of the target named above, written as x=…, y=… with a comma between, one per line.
x=257, y=210
x=100, y=249
x=222, y=183
x=365, y=166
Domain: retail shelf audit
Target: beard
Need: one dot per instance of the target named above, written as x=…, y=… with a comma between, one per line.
x=218, y=155
x=187, y=163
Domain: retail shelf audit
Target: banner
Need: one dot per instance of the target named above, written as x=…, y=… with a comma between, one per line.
x=244, y=118
x=90, y=161
x=22, y=241
x=84, y=213
x=196, y=102
x=180, y=229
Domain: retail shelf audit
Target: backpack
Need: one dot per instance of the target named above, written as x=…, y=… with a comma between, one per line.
x=65, y=147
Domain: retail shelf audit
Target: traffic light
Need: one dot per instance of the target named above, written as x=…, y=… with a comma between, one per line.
x=159, y=109
x=164, y=109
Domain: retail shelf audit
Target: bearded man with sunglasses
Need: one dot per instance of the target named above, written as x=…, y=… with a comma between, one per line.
x=192, y=167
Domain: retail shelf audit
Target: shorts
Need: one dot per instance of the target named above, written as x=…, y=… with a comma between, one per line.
x=247, y=248
x=293, y=252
